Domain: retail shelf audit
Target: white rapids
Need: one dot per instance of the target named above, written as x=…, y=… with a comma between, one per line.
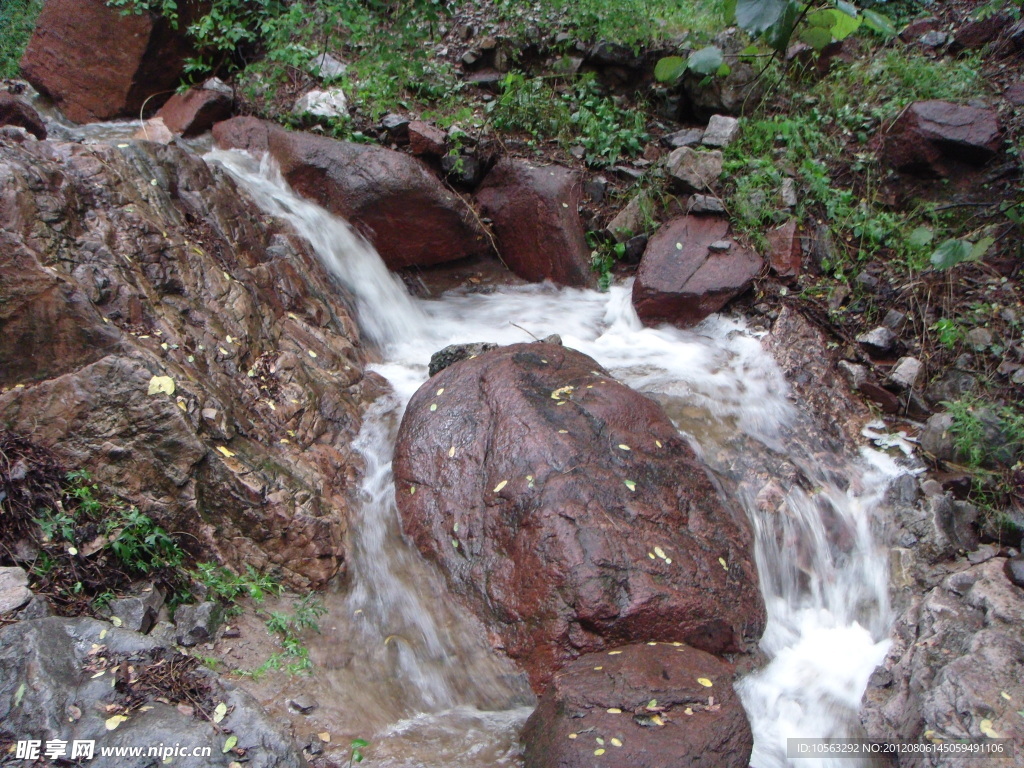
x=448, y=699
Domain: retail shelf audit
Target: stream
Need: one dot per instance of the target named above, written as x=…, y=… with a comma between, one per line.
x=400, y=656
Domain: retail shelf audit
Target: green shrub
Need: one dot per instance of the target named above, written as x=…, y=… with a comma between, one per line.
x=17, y=19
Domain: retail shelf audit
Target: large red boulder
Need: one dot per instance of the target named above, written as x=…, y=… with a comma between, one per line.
x=97, y=63
x=938, y=136
x=641, y=706
x=14, y=111
x=535, y=210
x=690, y=270
x=391, y=198
x=568, y=511
x=195, y=111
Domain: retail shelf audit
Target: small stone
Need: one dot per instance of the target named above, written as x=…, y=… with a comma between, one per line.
x=14, y=591
x=1018, y=376
x=326, y=67
x=218, y=86
x=470, y=58
x=635, y=248
x=978, y=339
x=1015, y=570
x=721, y=131
x=867, y=281
x=721, y=246
x=885, y=399
x=879, y=339
x=905, y=373
x=154, y=130
x=303, y=703
x=322, y=103
x=705, y=204
x=425, y=139
x=630, y=220
x=687, y=137
x=854, y=373
x=937, y=439
x=894, y=320
x=397, y=126
x=595, y=188
x=194, y=624
x=933, y=39
x=982, y=554
x=1014, y=93
x=694, y=170
x=788, y=193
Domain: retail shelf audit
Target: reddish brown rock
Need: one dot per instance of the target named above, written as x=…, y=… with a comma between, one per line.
x=14, y=111
x=568, y=511
x=915, y=29
x=938, y=136
x=425, y=139
x=535, y=210
x=784, y=252
x=196, y=110
x=980, y=32
x=1014, y=93
x=97, y=63
x=106, y=284
x=691, y=724
x=392, y=199
x=681, y=280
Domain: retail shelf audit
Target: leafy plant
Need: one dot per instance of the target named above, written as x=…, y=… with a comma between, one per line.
x=17, y=19
x=949, y=332
x=229, y=586
x=356, y=755
x=140, y=544
x=953, y=252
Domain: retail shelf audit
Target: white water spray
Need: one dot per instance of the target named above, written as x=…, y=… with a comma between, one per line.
x=823, y=575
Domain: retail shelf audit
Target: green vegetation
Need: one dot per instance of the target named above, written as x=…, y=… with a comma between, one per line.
x=229, y=586
x=17, y=19
x=293, y=657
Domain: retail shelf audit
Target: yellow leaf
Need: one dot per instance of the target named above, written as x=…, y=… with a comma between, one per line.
x=598, y=752
x=616, y=743
x=159, y=384
x=598, y=668
x=985, y=726
x=614, y=711
x=440, y=391
x=658, y=443
x=229, y=744
x=574, y=735
x=687, y=711
x=312, y=353
x=325, y=737
x=451, y=451
x=705, y=682
x=219, y=712
x=657, y=720
x=659, y=552
x=1005, y=695
x=651, y=555
x=722, y=562
x=668, y=561
x=563, y=431
x=182, y=406
x=225, y=451
x=630, y=484
x=614, y=653
x=500, y=485
x=600, y=741
x=433, y=406
x=624, y=447
x=113, y=722
x=116, y=621
x=412, y=489
x=72, y=550
x=561, y=392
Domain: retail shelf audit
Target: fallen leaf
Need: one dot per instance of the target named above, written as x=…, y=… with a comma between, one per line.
x=325, y=737
x=616, y=742
x=103, y=633
x=116, y=621
x=225, y=451
x=668, y=561
x=451, y=451
x=455, y=543
x=598, y=668
x=440, y=391
x=600, y=741
x=659, y=552
x=101, y=673
x=159, y=384
x=72, y=550
x=657, y=720
x=985, y=726
x=500, y=485
x=651, y=555
x=312, y=353
x=229, y=744
x=705, y=682
x=658, y=443
x=722, y=562
x=574, y=735
x=112, y=722
x=598, y=752
x=614, y=653
x=412, y=489
x=1005, y=695
x=652, y=704
x=624, y=447
x=433, y=406
x=219, y=712
x=687, y=711
x=630, y=484
x=19, y=695
x=614, y=711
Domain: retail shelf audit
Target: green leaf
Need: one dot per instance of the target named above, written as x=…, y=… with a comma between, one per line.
x=780, y=34
x=749, y=53
x=981, y=247
x=723, y=71
x=824, y=19
x=951, y=253
x=232, y=740
x=846, y=23
x=920, y=237
x=879, y=22
x=755, y=16
x=847, y=8
x=816, y=37
x=706, y=61
x=669, y=69
x=359, y=743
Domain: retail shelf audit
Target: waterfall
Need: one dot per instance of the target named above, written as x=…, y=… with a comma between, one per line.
x=822, y=570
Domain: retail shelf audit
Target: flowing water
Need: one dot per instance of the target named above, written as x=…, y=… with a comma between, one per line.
x=402, y=650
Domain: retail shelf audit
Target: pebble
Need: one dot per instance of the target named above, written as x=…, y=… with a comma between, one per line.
x=881, y=339
x=721, y=131
x=303, y=703
x=905, y=373
x=979, y=339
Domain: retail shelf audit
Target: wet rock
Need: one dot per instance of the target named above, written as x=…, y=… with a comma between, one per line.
x=937, y=437
x=918, y=27
x=304, y=703
x=878, y=340
x=195, y=111
x=1015, y=570
x=738, y=91
x=426, y=139
x=721, y=131
x=951, y=385
x=894, y=320
x=635, y=248
x=15, y=111
x=322, y=103
x=682, y=281
x=936, y=136
x=867, y=281
x=50, y=669
x=956, y=651
x=980, y=32
x=394, y=200
x=688, y=137
x=785, y=254
x=97, y=63
x=195, y=624
x=934, y=39
x=885, y=399
x=536, y=221
x=854, y=373
x=595, y=189
x=1014, y=93
x=139, y=612
x=397, y=126
x=463, y=170
x=605, y=697
x=704, y=204
x=905, y=373
x=632, y=219
x=694, y=170
x=453, y=353
x=568, y=512
x=326, y=67
x=87, y=331
x=14, y=591
x=154, y=130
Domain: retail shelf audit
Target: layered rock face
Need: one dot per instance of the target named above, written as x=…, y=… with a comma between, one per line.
x=97, y=63
x=193, y=355
x=393, y=199
x=568, y=512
